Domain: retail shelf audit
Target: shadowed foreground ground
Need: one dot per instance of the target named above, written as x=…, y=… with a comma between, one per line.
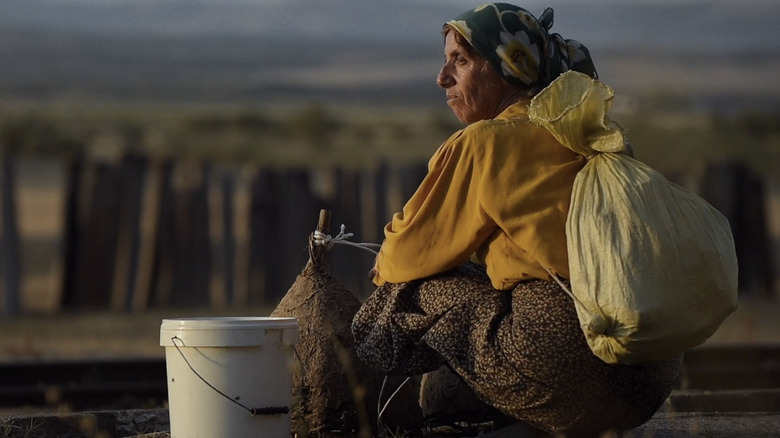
x=154, y=424
x=734, y=413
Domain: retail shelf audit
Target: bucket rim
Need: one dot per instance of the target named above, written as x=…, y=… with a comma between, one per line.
x=229, y=323
x=243, y=331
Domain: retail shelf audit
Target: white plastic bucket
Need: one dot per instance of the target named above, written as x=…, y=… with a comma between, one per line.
x=229, y=377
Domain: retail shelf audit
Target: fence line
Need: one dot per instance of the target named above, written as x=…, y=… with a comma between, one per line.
x=9, y=241
x=142, y=234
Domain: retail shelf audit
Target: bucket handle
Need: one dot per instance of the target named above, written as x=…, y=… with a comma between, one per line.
x=252, y=411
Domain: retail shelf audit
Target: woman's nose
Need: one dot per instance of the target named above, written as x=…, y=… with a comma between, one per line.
x=444, y=79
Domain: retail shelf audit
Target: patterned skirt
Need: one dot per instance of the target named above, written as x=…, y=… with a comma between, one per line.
x=521, y=351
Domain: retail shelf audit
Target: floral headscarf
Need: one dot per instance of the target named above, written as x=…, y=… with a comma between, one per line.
x=519, y=46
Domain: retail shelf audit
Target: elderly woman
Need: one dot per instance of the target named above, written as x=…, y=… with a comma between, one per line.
x=464, y=273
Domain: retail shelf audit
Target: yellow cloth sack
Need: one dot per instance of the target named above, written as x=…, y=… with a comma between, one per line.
x=653, y=266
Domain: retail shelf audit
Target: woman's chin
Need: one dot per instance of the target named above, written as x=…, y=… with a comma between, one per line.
x=463, y=117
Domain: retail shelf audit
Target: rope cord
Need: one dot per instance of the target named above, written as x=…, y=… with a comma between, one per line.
x=252, y=411
x=327, y=241
x=568, y=291
x=563, y=286
x=389, y=399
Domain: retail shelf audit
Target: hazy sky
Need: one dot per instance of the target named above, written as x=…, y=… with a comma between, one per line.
x=710, y=25
x=726, y=44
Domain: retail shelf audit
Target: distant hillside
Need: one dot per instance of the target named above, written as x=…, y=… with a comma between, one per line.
x=234, y=50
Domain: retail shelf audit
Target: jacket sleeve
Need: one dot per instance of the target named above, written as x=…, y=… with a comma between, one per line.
x=442, y=224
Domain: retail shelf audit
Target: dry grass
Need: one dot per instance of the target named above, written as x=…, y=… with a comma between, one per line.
x=92, y=335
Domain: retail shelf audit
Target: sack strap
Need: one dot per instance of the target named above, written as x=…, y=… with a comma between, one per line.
x=602, y=325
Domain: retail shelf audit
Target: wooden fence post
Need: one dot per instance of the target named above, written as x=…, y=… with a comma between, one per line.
x=227, y=188
x=97, y=223
x=132, y=171
x=163, y=265
x=374, y=198
x=71, y=230
x=296, y=205
x=241, y=231
x=192, y=275
x=346, y=206
x=263, y=220
x=10, y=267
x=281, y=201
x=157, y=179
x=739, y=194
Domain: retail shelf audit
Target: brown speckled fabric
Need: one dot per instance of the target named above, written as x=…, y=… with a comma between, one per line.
x=521, y=351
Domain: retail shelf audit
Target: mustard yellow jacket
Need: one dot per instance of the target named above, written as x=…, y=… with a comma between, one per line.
x=496, y=192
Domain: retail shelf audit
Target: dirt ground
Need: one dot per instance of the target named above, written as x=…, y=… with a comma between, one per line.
x=112, y=335
x=91, y=335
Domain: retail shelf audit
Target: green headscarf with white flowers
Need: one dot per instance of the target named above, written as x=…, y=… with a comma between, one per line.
x=519, y=46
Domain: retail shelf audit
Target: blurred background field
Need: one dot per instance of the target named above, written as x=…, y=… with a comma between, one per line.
x=250, y=86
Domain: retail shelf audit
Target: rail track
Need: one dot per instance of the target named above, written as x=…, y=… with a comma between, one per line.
x=84, y=384
x=748, y=377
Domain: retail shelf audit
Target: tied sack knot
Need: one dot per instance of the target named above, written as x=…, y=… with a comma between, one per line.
x=573, y=108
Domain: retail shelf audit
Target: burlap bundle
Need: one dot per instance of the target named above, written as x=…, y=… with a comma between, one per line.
x=334, y=393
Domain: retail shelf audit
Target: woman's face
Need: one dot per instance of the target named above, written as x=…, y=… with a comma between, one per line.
x=475, y=91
